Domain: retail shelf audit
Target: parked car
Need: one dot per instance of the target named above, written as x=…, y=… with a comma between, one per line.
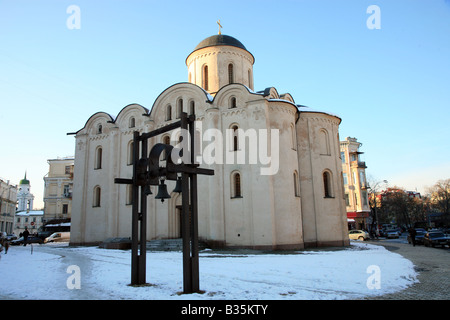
x=436, y=238
x=58, y=237
x=11, y=237
x=420, y=233
x=392, y=233
x=358, y=235
x=44, y=234
x=31, y=239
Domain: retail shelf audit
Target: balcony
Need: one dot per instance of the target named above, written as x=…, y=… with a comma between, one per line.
x=358, y=164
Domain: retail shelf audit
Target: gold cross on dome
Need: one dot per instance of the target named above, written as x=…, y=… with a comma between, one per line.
x=220, y=26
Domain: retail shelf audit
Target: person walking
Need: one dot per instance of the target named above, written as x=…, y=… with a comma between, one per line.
x=412, y=235
x=25, y=235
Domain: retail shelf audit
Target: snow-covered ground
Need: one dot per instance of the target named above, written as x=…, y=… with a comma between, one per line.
x=62, y=272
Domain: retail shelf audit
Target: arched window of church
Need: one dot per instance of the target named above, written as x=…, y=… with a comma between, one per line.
x=99, y=129
x=327, y=184
x=230, y=73
x=236, y=188
x=296, y=185
x=168, y=112
x=235, y=137
x=233, y=102
x=132, y=123
x=98, y=158
x=205, y=77
x=179, y=108
x=324, y=142
x=165, y=140
x=192, y=107
x=97, y=196
x=250, y=84
x=130, y=153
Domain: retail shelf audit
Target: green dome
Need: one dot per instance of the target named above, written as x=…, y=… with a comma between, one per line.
x=24, y=180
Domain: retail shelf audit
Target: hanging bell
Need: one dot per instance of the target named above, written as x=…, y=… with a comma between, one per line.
x=162, y=192
x=147, y=190
x=178, y=187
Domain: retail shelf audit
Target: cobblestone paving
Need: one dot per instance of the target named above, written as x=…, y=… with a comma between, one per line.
x=432, y=266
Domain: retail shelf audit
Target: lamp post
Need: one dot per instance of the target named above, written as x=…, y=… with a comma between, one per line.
x=146, y=172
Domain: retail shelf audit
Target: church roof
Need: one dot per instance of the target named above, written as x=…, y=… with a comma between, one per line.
x=220, y=40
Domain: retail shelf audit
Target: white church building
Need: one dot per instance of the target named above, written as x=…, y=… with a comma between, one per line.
x=292, y=198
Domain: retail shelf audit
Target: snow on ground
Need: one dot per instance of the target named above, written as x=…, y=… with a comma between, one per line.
x=358, y=271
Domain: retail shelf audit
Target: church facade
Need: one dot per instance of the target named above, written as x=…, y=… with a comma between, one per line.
x=290, y=196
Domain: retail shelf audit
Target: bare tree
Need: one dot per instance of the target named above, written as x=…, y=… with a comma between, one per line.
x=440, y=198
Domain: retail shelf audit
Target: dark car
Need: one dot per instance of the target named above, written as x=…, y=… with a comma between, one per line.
x=436, y=238
x=420, y=233
x=31, y=239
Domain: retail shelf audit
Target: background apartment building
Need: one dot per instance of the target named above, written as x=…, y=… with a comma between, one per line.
x=355, y=184
x=58, y=189
x=8, y=200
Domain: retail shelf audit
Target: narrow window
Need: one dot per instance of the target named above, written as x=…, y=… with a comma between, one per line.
x=169, y=113
x=65, y=208
x=99, y=129
x=235, y=137
x=324, y=142
x=192, y=107
x=327, y=185
x=179, y=108
x=98, y=158
x=132, y=123
x=97, y=196
x=205, y=78
x=230, y=73
x=166, y=140
x=233, y=103
x=236, y=185
x=250, y=85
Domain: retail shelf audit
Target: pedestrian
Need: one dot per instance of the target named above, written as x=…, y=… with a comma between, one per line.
x=4, y=245
x=412, y=235
x=25, y=235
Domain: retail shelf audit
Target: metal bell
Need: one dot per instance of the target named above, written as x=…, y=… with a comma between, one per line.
x=147, y=190
x=162, y=192
x=178, y=187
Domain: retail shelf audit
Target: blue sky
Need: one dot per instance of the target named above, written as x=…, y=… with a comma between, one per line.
x=390, y=86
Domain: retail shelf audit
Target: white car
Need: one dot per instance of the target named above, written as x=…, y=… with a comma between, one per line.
x=394, y=233
x=358, y=235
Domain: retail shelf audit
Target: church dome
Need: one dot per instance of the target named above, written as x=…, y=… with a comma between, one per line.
x=220, y=40
x=220, y=60
x=24, y=180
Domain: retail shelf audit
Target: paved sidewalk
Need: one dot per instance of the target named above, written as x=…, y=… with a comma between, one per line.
x=433, y=267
